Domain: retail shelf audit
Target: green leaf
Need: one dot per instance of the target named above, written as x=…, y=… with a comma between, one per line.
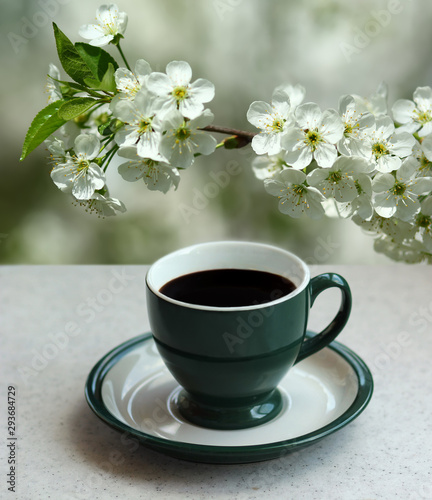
x=75, y=107
x=97, y=59
x=70, y=59
x=45, y=123
x=107, y=83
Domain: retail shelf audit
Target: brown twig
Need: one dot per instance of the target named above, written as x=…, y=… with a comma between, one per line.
x=248, y=136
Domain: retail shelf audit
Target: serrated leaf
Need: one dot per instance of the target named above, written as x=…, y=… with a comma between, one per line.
x=75, y=107
x=45, y=123
x=70, y=59
x=97, y=59
x=107, y=83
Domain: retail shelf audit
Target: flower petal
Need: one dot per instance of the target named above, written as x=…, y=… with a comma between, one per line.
x=131, y=171
x=87, y=145
x=258, y=113
x=203, y=142
x=148, y=145
x=159, y=84
x=291, y=176
x=299, y=158
x=426, y=146
x=407, y=208
x=382, y=183
x=191, y=108
x=172, y=120
x=87, y=182
x=317, y=176
x=403, y=110
x=331, y=127
x=142, y=68
x=344, y=191
x=266, y=143
x=281, y=103
x=203, y=120
x=293, y=139
x=125, y=111
x=346, y=102
x=309, y=116
x=422, y=185
x=90, y=31
x=106, y=14
x=384, y=127
x=63, y=177
x=274, y=188
x=362, y=206
x=402, y=144
x=325, y=155
x=388, y=163
x=426, y=129
x=296, y=94
x=101, y=41
x=202, y=90
x=423, y=98
x=122, y=21
x=128, y=152
x=179, y=72
x=385, y=205
x=182, y=156
x=127, y=136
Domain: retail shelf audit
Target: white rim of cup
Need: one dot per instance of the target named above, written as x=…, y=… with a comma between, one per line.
x=159, y=262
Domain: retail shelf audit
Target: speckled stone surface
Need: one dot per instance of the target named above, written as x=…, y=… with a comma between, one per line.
x=57, y=322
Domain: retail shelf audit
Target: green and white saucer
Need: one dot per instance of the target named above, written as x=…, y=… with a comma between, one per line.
x=131, y=390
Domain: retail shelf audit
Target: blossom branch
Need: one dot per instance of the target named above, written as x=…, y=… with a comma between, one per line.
x=230, y=131
x=123, y=56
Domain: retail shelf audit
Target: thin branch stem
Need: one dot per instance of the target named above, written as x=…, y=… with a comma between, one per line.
x=123, y=57
x=109, y=157
x=230, y=131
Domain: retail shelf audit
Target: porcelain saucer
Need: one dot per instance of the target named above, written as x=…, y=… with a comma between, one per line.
x=131, y=390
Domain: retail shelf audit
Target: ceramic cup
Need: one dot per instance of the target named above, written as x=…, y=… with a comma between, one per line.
x=230, y=360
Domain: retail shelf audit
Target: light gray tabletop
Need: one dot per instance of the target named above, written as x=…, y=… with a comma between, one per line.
x=57, y=322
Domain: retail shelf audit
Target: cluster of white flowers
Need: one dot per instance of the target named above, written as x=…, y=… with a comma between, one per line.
x=155, y=122
x=356, y=162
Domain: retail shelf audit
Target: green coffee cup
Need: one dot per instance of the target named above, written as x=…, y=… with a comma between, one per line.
x=230, y=360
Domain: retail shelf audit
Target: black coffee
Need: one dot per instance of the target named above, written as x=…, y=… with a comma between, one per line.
x=228, y=287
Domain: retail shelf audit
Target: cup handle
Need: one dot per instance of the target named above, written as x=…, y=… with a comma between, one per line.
x=317, y=285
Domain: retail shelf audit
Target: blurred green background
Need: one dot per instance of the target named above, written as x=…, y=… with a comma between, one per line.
x=246, y=48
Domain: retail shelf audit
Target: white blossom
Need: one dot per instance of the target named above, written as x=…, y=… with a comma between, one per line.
x=362, y=205
x=111, y=23
x=183, y=139
x=313, y=137
x=376, y=103
x=296, y=94
x=129, y=83
x=142, y=127
x=157, y=175
x=78, y=174
x=177, y=91
x=265, y=167
x=52, y=86
x=385, y=148
x=295, y=197
x=103, y=206
x=409, y=251
x=355, y=122
x=399, y=195
x=273, y=120
x=424, y=223
x=339, y=181
x=421, y=157
x=415, y=115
